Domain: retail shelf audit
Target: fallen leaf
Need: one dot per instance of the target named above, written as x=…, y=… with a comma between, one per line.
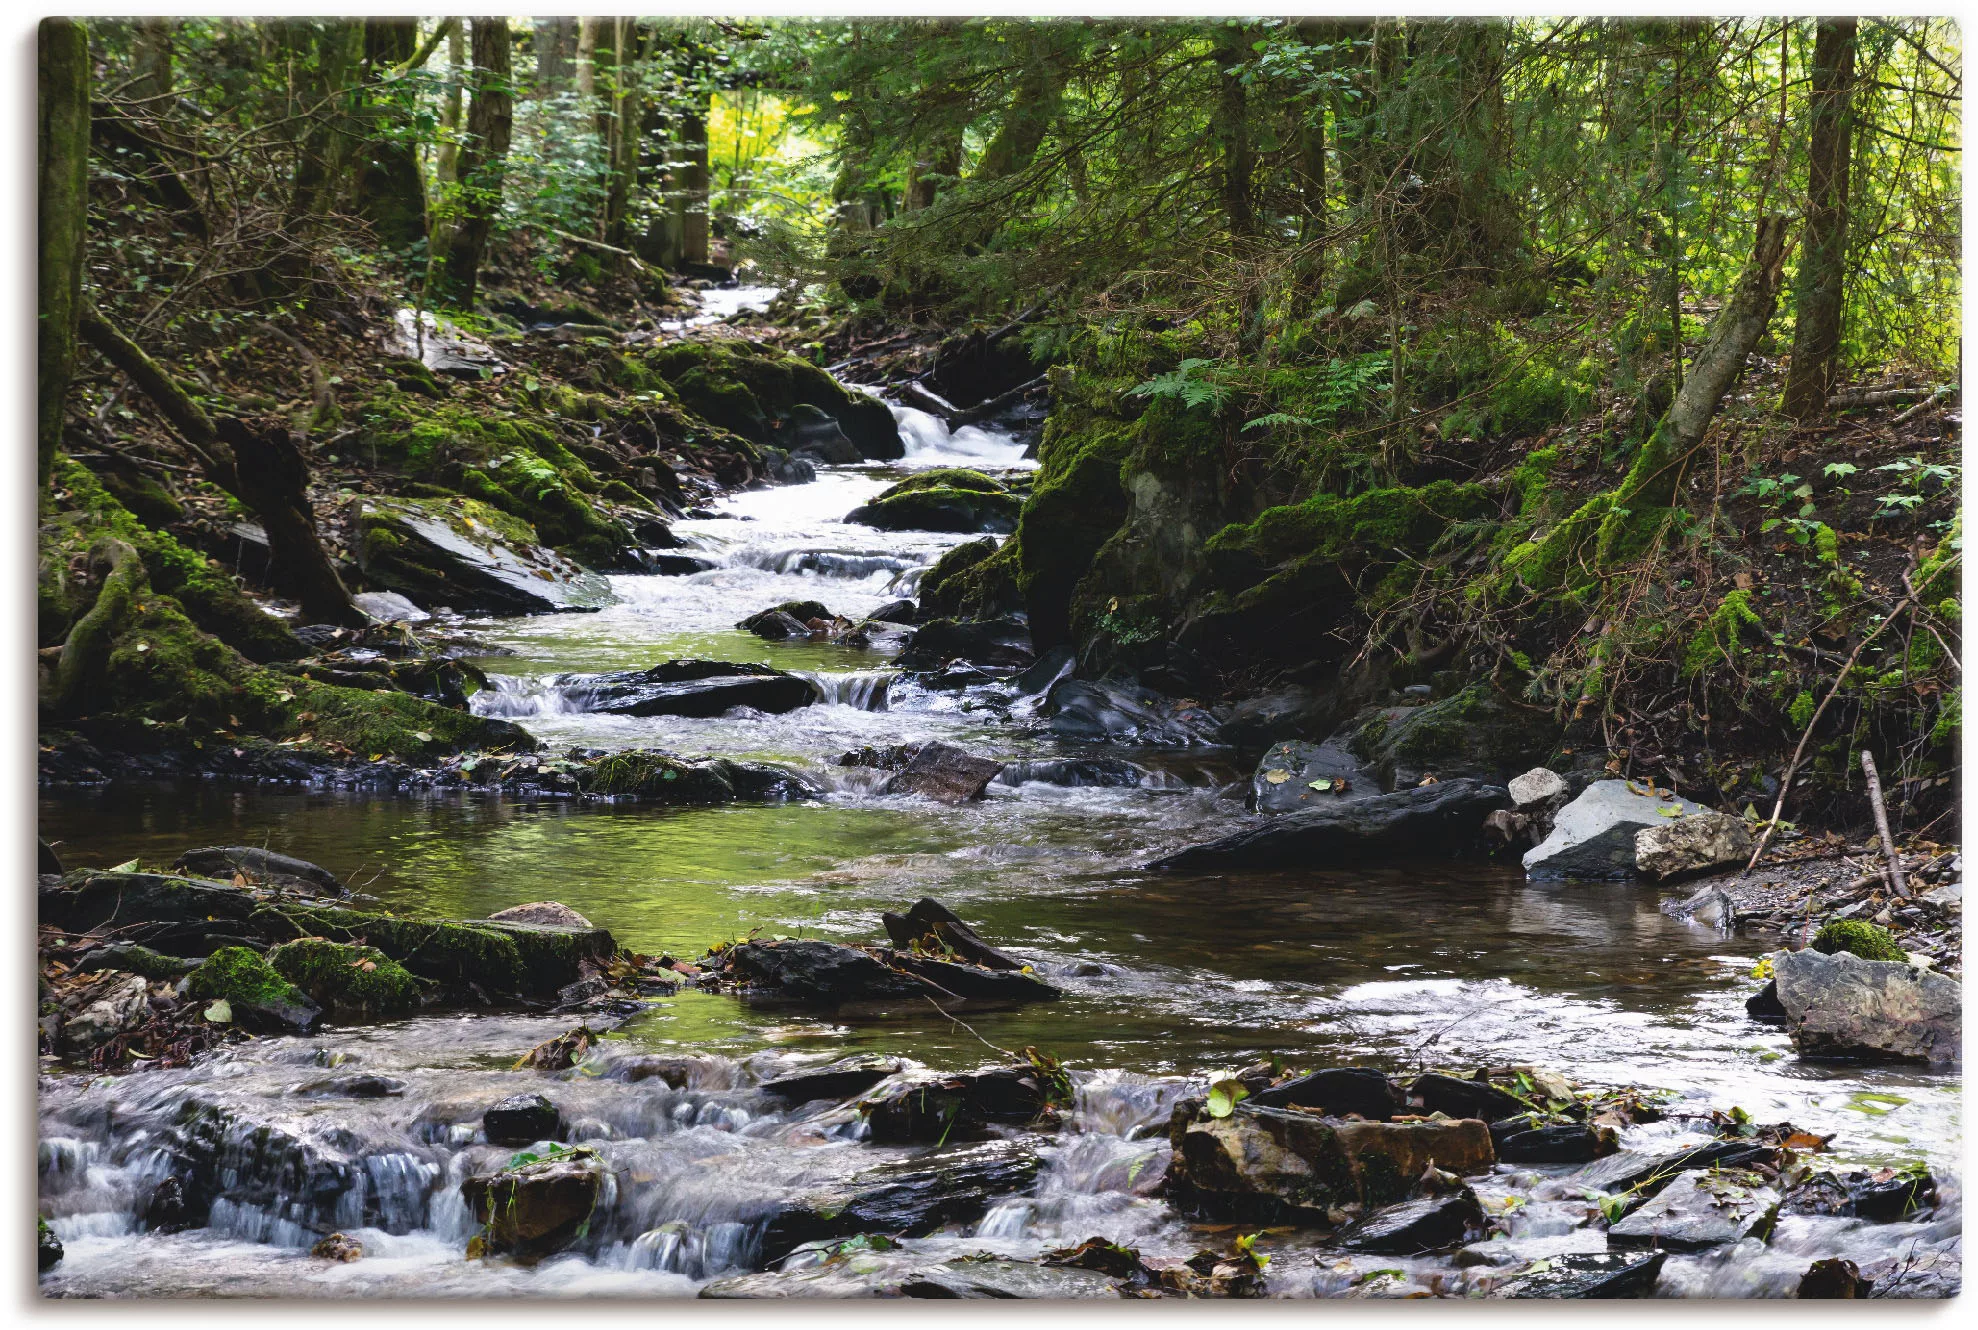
x=1277, y=776
x=221, y=1012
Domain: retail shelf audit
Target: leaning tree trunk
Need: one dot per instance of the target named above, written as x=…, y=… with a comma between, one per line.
x=257, y=464
x=86, y=650
x=1820, y=284
x=63, y=198
x=483, y=162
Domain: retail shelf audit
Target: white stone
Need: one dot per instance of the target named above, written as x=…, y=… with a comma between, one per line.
x=1694, y=843
x=1594, y=836
x=1537, y=786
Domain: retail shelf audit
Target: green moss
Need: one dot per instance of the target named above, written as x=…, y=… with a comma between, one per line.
x=940, y=592
x=241, y=976
x=1078, y=503
x=1860, y=938
x=441, y=949
x=940, y=509
x=638, y=773
x=1530, y=481
x=947, y=477
x=751, y=389
x=1376, y=523
x=1718, y=640
x=354, y=980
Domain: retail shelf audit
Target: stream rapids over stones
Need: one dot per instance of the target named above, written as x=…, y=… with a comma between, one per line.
x=737, y=1145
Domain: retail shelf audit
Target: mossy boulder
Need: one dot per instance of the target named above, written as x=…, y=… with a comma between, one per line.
x=256, y=996
x=1859, y=938
x=753, y=390
x=347, y=979
x=947, y=477
x=1474, y=733
x=940, y=586
x=941, y=508
x=471, y=556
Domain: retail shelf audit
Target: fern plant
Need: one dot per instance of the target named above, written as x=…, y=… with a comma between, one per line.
x=1187, y=384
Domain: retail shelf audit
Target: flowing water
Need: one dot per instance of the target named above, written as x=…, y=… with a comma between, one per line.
x=1166, y=979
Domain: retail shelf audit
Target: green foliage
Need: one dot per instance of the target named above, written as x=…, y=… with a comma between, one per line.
x=1187, y=383
x=241, y=978
x=1718, y=640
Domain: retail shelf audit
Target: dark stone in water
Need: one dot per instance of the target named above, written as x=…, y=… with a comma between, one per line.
x=909, y=1197
x=944, y=772
x=1337, y=1092
x=931, y=1108
x=693, y=688
x=1432, y=821
x=1700, y=1210
x=1437, y=1093
x=930, y=921
x=895, y=611
x=47, y=1247
x=353, y=1087
x=1288, y=778
x=776, y=626
x=1587, y=1275
x=1052, y=666
x=969, y=512
x=1126, y=713
x=1077, y=772
x=222, y=862
x=676, y=565
x=975, y=983
x=835, y=1081
x=1764, y=1005
x=1004, y=642
x=898, y=1274
x=47, y=861
x=1434, y=1223
x=1884, y=1194
x=1566, y=1143
x=1642, y=1173
x=824, y=973
x=522, y=1119
x=1834, y=1277
x=539, y=1208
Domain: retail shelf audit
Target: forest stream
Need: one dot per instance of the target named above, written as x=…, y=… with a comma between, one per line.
x=1402, y=966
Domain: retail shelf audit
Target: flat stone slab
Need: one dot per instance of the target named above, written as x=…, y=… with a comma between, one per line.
x=1699, y=1211
x=1593, y=837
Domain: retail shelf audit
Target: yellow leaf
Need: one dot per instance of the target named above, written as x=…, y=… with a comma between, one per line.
x=1276, y=776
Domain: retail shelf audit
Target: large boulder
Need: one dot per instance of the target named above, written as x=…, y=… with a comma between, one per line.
x=945, y=773
x=690, y=688
x=1842, y=1006
x=1476, y=733
x=1295, y=775
x=538, y=1208
x=1117, y=712
x=969, y=511
x=1430, y=821
x=470, y=557
x=1696, y=843
x=999, y=643
x=757, y=391
x=1295, y=712
x=1593, y=837
x=255, y=995
x=933, y=1107
x=1701, y=1210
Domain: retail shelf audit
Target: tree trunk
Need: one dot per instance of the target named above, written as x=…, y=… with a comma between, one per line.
x=691, y=186
x=1028, y=116
x=1820, y=284
x=260, y=466
x=586, y=60
x=1312, y=137
x=1232, y=130
x=63, y=210
x=445, y=215
x=325, y=145
x=389, y=192
x=622, y=141
x=556, y=50
x=86, y=650
x=151, y=63
x=483, y=161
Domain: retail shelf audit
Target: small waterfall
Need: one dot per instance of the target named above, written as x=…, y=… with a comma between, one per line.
x=865, y=690
x=510, y=695
x=853, y=565
x=929, y=442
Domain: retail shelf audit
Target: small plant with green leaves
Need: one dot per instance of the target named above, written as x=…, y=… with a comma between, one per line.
x=1912, y=475
x=1193, y=383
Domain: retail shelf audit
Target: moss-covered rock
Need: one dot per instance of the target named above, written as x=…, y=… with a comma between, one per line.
x=1475, y=733
x=753, y=390
x=347, y=979
x=1859, y=938
x=469, y=555
x=940, y=508
x=940, y=589
x=256, y=996
x=947, y=477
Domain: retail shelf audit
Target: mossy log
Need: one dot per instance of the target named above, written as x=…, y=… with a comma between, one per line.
x=86, y=652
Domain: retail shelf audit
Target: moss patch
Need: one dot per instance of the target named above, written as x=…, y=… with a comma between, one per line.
x=353, y=980
x=1859, y=938
x=947, y=477
x=241, y=976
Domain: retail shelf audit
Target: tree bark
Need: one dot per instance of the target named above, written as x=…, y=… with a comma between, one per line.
x=258, y=465
x=86, y=650
x=1028, y=116
x=691, y=185
x=389, y=192
x=1232, y=131
x=556, y=50
x=1820, y=284
x=445, y=212
x=325, y=145
x=483, y=161
x=151, y=62
x=62, y=213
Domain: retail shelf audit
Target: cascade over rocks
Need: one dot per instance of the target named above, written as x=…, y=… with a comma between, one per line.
x=536, y=1209
x=691, y=688
x=1432, y=821
x=1119, y=712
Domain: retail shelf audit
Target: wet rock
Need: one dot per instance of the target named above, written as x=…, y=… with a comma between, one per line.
x=1593, y=837
x=1053, y=665
x=1643, y=1173
x=824, y=973
x=945, y=773
x=1541, y=788
x=1288, y=713
x=1885, y=1194
x=908, y=1275
x=929, y=923
x=834, y=1081
x=1692, y=844
x=469, y=557
x=388, y=607
x=1428, y=822
x=1846, y=1007
x=934, y=1107
x=1336, y=1092
x=666, y=564
x=1433, y=1223
x=538, y=1208
x=1764, y=1005
x=697, y=688
x=47, y=1247
x=522, y=1119
x=977, y=984
x=1076, y=772
x=1475, y=734
x=1457, y=1097
x=1586, y=1275
x=353, y=1087
x=895, y=611
x=1259, y=1160
x=1116, y=712
x=1709, y=905
x=1563, y=1143
x=130, y=957
x=1834, y=1277
x=542, y=912
x=351, y=980
x=1701, y=1210
x=786, y=469
x=119, y=1004
x=338, y=1247
x=908, y=1197
x=1295, y=775
x=997, y=643
x=776, y=626
x=940, y=508
x=224, y=862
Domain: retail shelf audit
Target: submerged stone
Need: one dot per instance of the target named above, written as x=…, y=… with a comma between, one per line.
x=835, y=1080
x=945, y=773
x=1586, y=1275
x=1433, y=1223
x=906, y=1198
x=522, y=1119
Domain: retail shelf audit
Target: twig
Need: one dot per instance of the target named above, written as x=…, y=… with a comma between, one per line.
x=972, y=1030
x=1934, y=400
x=624, y=254
x=1895, y=877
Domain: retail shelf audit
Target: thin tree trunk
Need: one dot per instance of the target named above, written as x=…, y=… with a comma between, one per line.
x=622, y=141
x=258, y=465
x=63, y=210
x=151, y=62
x=389, y=192
x=1821, y=281
x=445, y=217
x=483, y=161
x=1232, y=131
x=691, y=152
x=556, y=48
